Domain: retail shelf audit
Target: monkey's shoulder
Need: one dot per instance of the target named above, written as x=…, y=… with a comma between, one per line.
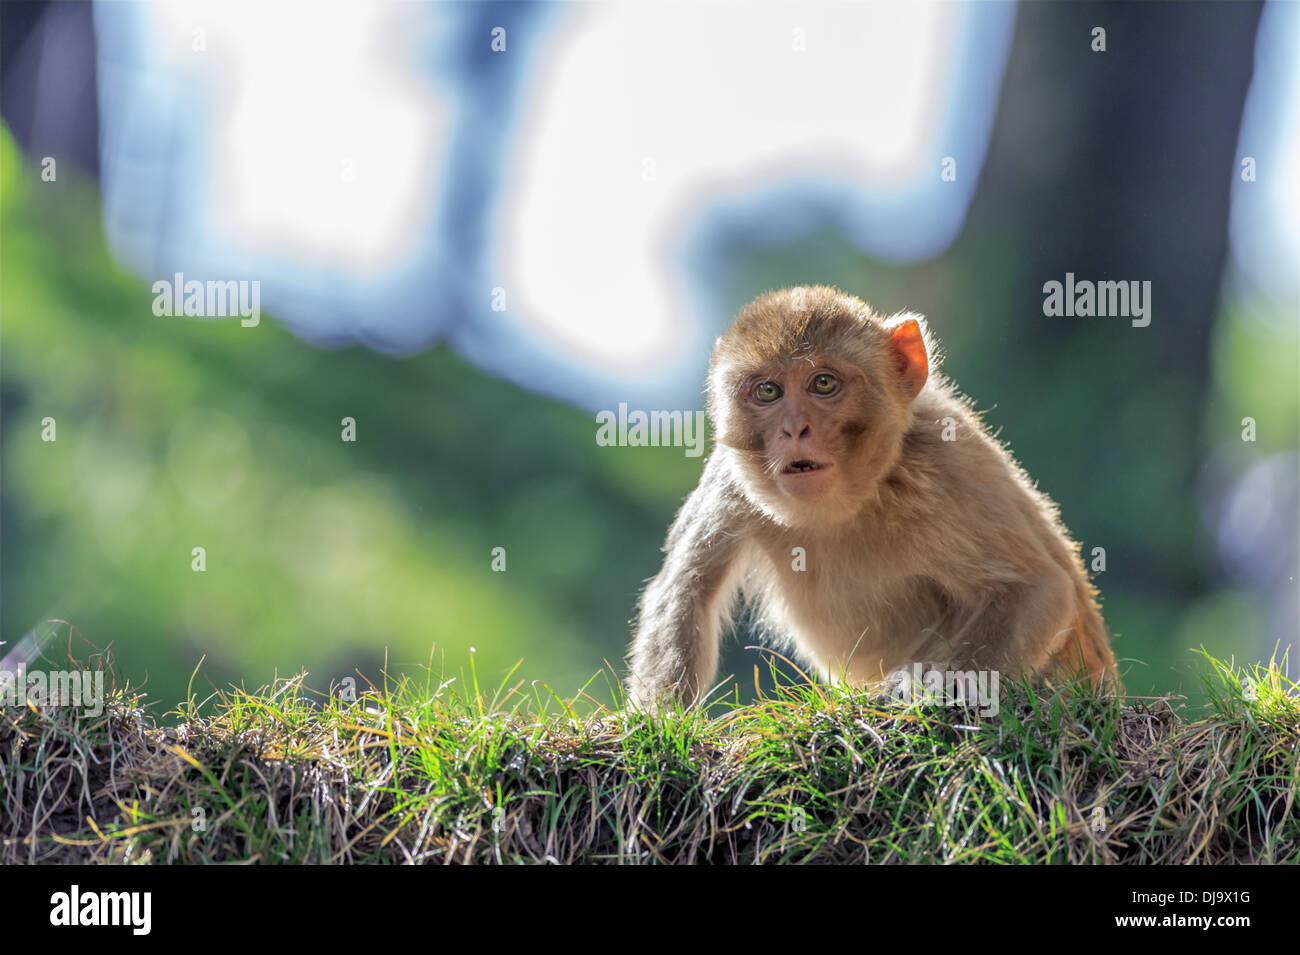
x=950, y=445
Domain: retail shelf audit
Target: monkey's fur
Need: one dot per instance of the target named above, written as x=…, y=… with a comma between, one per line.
x=915, y=548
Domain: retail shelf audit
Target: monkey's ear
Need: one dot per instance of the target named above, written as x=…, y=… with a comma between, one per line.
x=907, y=342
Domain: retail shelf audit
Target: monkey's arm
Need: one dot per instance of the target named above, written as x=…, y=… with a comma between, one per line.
x=1015, y=625
x=675, y=652
x=1043, y=624
x=1028, y=603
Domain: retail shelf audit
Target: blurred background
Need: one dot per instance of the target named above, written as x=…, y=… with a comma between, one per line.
x=473, y=226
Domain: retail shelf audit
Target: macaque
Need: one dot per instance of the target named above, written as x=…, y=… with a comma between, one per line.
x=857, y=502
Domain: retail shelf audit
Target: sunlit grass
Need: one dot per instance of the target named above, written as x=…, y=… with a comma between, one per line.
x=441, y=769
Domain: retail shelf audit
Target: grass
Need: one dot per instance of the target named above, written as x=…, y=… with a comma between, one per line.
x=444, y=771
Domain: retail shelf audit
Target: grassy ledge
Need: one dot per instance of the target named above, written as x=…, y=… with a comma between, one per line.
x=440, y=772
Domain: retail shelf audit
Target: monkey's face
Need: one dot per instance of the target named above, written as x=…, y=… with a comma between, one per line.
x=812, y=392
x=812, y=433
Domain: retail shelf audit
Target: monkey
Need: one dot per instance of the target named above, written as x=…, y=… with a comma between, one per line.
x=856, y=501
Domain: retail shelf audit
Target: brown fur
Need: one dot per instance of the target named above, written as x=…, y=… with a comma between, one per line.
x=917, y=549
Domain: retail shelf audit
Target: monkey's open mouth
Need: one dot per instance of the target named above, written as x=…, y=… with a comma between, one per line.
x=802, y=467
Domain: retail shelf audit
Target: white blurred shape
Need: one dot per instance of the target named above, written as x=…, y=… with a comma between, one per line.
x=324, y=133
x=527, y=169
x=1265, y=218
x=715, y=101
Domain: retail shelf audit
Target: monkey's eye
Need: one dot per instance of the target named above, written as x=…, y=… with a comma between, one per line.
x=767, y=391
x=825, y=385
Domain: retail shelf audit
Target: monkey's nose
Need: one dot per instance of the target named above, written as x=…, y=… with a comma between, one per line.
x=804, y=429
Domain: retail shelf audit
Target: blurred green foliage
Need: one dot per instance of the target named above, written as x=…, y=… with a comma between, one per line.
x=176, y=433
